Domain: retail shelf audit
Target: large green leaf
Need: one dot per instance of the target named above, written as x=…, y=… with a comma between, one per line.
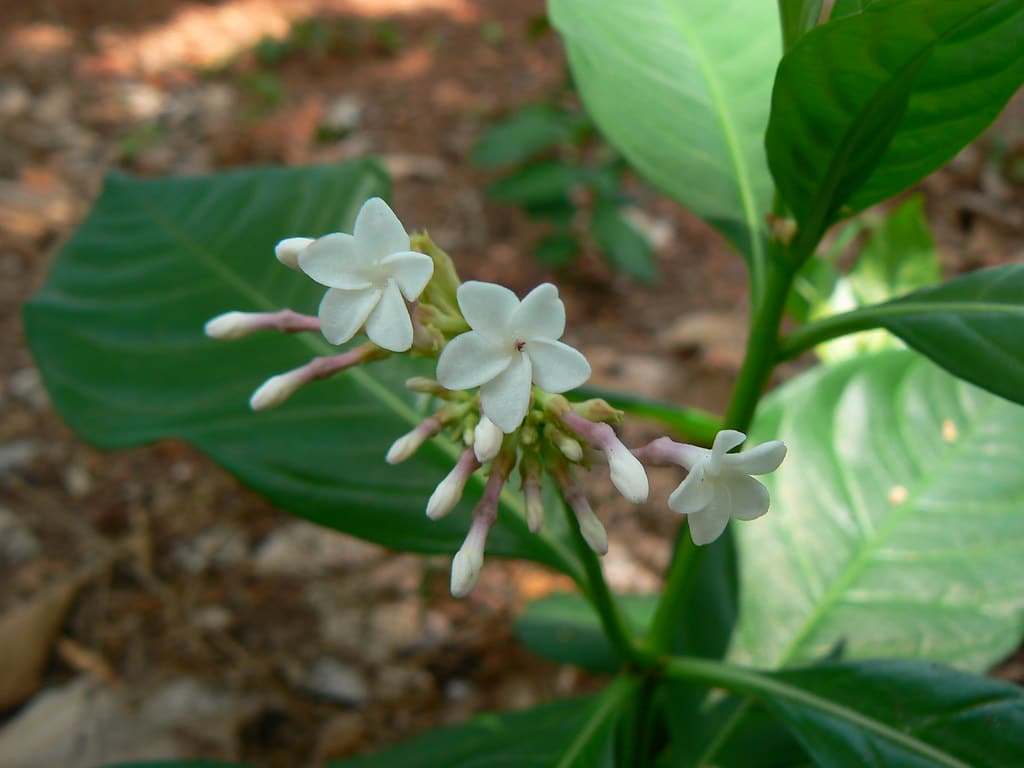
x=898, y=257
x=897, y=525
x=798, y=17
x=970, y=326
x=868, y=104
x=575, y=733
x=879, y=714
x=682, y=87
x=117, y=333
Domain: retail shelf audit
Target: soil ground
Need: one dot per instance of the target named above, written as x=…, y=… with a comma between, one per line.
x=152, y=576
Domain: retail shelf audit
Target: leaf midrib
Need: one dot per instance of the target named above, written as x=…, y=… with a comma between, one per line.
x=729, y=133
x=319, y=347
x=857, y=565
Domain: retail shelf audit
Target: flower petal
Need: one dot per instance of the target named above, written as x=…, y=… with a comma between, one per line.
x=468, y=361
x=411, y=270
x=749, y=496
x=693, y=494
x=759, y=460
x=708, y=524
x=557, y=367
x=506, y=398
x=342, y=313
x=488, y=308
x=333, y=260
x=389, y=325
x=725, y=441
x=540, y=315
x=378, y=232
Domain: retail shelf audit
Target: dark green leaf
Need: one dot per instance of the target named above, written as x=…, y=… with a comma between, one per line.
x=867, y=105
x=524, y=134
x=798, y=17
x=557, y=250
x=623, y=246
x=880, y=713
x=682, y=88
x=566, y=734
x=564, y=627
x=896, y=713
x=972, y=326
x=896, y=520
x=181, y=764
x=899, y=256
x=848, y=8
x=117, y=333
x=540, y=183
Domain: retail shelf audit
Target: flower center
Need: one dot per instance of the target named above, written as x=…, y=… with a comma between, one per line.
x=519, y=344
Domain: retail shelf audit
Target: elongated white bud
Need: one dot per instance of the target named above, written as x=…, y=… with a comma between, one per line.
x=287, y=251
x=593, y=531
x=405, y=446
x=469, y=559
x=627, y=473
x=487, y=439
x=449, y=491
x=277, y=389
x=232, y=325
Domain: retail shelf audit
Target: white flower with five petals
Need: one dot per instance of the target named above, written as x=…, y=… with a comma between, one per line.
x=719, y=485
x=371, y=274
x=513, y=345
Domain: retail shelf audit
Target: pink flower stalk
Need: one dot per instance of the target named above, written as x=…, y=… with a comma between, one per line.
x=277, y=389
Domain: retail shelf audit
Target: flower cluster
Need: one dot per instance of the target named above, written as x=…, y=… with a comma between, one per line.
x=501, y=372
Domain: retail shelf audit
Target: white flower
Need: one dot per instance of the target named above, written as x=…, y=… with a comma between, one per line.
x=368, y=273
x=720, y=486
x=513, y=345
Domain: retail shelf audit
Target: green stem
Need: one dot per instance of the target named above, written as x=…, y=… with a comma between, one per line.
x=762, y=348
x=680, y=583
x=621, y=637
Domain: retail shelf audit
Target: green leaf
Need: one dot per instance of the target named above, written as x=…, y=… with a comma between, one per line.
x=682, y=88
x=798, y=17
x=883, y=713
x=524, y=134
x=971, y=326
x=896, y=522
x=565, y=734
x=623, y=246
x=898, y=257
x=117, y=332
x=866, y=105
x=557, y=250
x=847, y=715
x=564, y=627
x=848, y=8
x=181, y=764
x=539, y=184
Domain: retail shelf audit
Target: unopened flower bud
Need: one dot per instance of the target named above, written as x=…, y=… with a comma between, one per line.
x=449, y=491
x=409, y=443
x=627, y=473
x=466, y=567
x=569, y=447
x=277, y=389
x=287, y=251
x=599, y=410
x=487, y=439
x=534, y=504
x=593, y=531
x=230, y=325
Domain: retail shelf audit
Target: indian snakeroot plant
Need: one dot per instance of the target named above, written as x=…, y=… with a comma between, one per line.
x=853, y=624
x=511, y=355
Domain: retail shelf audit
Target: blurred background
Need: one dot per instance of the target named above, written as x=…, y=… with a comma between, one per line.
x=151, y=607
